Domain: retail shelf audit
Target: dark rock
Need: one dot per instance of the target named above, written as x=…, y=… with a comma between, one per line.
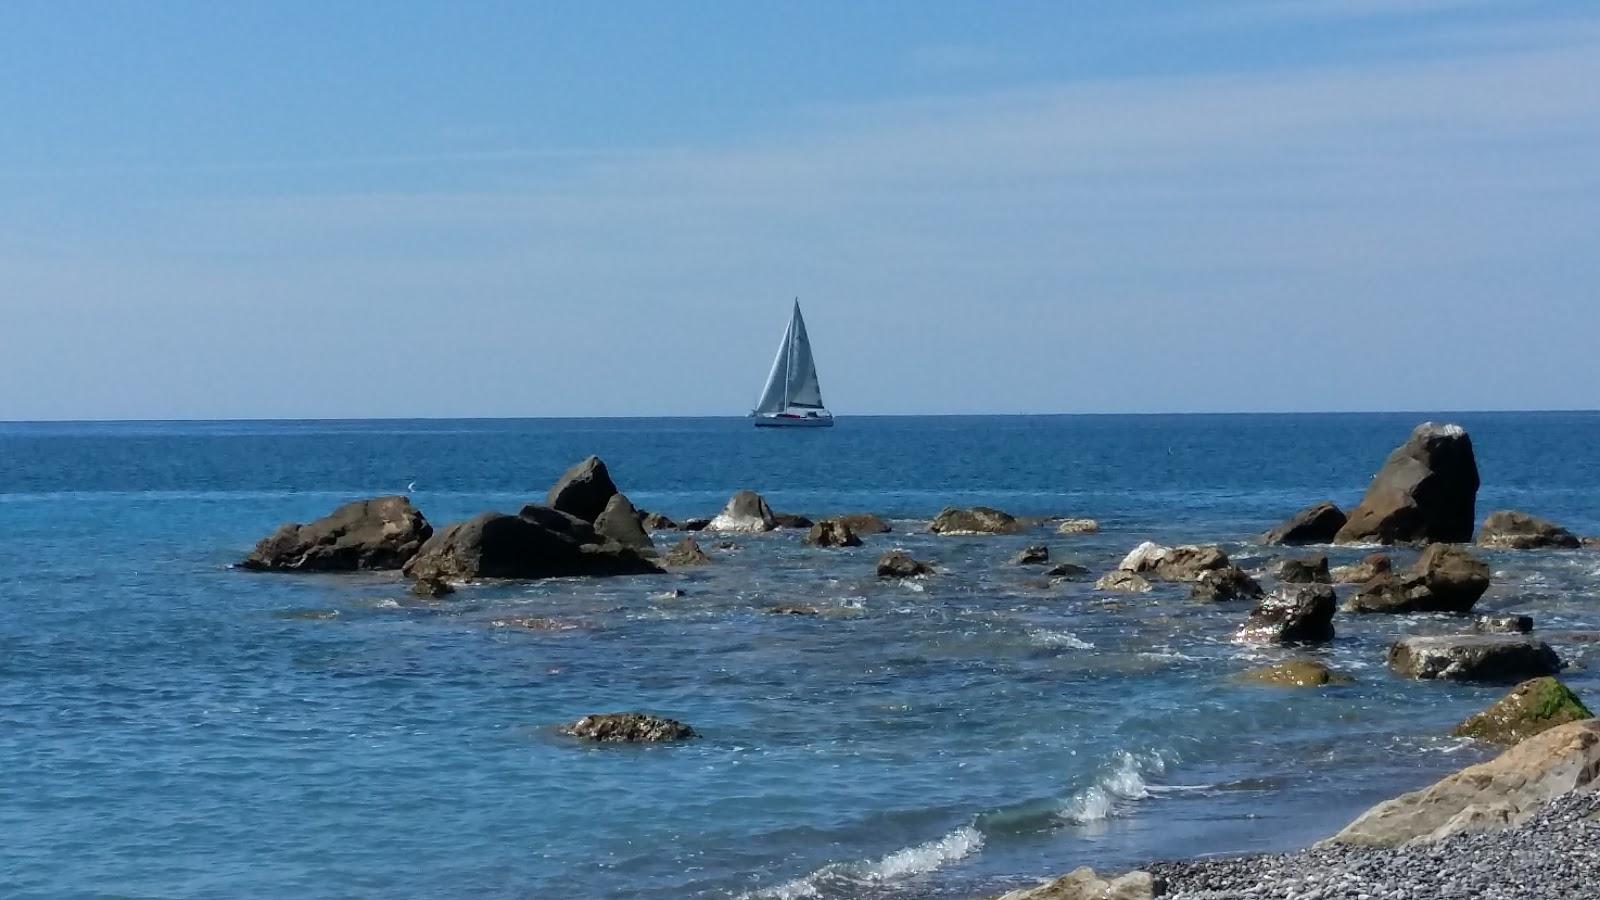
x=1307, y=570
x=1299, y=615
x=1295, y=673
x=432, y=588
x=1231, y=583
x=580, y=530
x=746, y=511
x=1312, y=525
x=832, y=533
x=1533, y=706
x=1503, y=625
x=619, y=521
x=794, y=609
x=382, y=533
x=686, y=552
x=582, y=490
x=1036, y=555
x=628, y=727
x=1473, y=657
x=533, y=623
x=900, y=564
x=1512, y=530
x=651, y=521
x=1067, y=570
x=976, y=520
x=495, y=545
x=1368, y=568
x=791, y=520
x=1445, y=578
x=1125, y=581
x=696, y=524
x=1425, y=492
x=865, y=523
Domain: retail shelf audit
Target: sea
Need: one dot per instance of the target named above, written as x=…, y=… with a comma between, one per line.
x=175, y=727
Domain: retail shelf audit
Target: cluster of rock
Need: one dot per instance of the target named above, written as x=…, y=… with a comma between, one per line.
x=1209, y=571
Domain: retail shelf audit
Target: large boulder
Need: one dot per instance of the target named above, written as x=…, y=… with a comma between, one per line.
x=382, y=533
x=865, y=523
x=746, y=511
x=1299, y=615
x=1445, y=578
x=900, y=564
x=1183, y=563
x=582, y=490
x=976, y=520
x=538, y=543
x=621, y=522
x=1533, y=706
x=1083, y=884
x=1512, y=530
x=628, y=727
x=1473, y=657
x=1304, y=570
x=1488, y=796
x=1230, y=583
x=1426, y=491
x=1312, y=525
x=832, y=533
x=686, y=553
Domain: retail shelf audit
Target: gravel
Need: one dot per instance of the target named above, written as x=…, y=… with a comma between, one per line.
x=1554, y=854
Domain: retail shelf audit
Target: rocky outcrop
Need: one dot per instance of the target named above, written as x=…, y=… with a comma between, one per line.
x=1473, y=657
x=1532, y=707
x=791, y=520
x=629, y=728
x=1488, y=796
x=865, y=523
x=832, y=533
x=1078, y=526
x=1183, y=563
x=431, y=588
x=537, y=543
x=686, y=553
x=1084, y=884
x=582, y=490
x=620, y=522
x=1036, y=555
x=1445, y=578
x=1370, y=567
x=1295, y=673
x=976, y=520
x=1230, y=583
x=1299, y=615
x=382, y=533
x=1512, y=530
x=1503, y=625
x=1304, y=570
x=1124, y=581
x=1426, y=492
x=1312, y=525
x=746, y=511
x=696, y=523
x=900, y=564
x=652, y=521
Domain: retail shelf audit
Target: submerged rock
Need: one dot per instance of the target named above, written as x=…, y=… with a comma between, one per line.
x=1425, y=492
x=793, y=609
x=1123, y=580
x=832, y=533
x=1312, y=525
x=1083, y=884
x=1512, y=530
x=1067, y=570
x=1230, y=583
x=1488, y=796
x=620, y=522
x=791, y=520
x=582, y=490
x=1364, y=571
x=746, y=511
x=628, y=727
x=1305, y=570
x=1503, y=625
x=382, y=533
x=651, y=521
x=432, y=588
x=976, y=520
x=1533, y=706
x=1445, y=578
x=1037, y=555
x=1473, y=657
x=900, y=564
x=1078, y=526
x=695, y=524
x=684, y=553
x=495, y=545
x=865, y=523
x=1295, y=673
x=1299, y=615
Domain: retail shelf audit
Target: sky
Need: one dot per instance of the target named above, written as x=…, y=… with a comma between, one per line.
x=406, y=209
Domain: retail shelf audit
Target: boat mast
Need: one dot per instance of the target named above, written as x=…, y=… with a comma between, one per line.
x=788, y=370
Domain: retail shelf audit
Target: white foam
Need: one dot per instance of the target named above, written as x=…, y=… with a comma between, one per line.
x=901, y=864
x=1045, y=637
x=1123, y=783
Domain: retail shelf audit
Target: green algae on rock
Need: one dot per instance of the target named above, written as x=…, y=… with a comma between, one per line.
x=1295, y=673
x=1533, y=706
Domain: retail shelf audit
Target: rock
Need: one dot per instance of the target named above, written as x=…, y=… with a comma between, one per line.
x=1299, y=615
x=746, y=511
x=580, y=530
x=1230, y=583
x=1425, y=492
x=582, y=490
x=533, y=623
x=656, y=522
x=1123, y=580
x=495, y=545
x=791, y=520
x=976, y=520
x=1295, y=673
x=686, y=552
x=1473, y=657
x=865, y=523
x=1488, y=796
x=1183, y=563
x=432, y=588
x=1312, y=525
x=1037, y=555
x=1512, y=530
x=900, y=564
x=1084, y=884
x=1305, y=570
x=382, y=533
x=794, y=609
x=1364, y=571
x=1066, y=570
x=1503, y=625
x=832, y=533
x=628, y=727
x=1445, y=578
x=674, y=594
x=696, y=524
x=1078, y=526
x=619, y=521
x=1534, y=706
x=1592, y=543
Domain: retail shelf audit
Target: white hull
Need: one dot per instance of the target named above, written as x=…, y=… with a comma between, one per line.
x=779, y=421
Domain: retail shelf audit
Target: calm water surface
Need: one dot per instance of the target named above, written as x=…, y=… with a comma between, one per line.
x=170, y=727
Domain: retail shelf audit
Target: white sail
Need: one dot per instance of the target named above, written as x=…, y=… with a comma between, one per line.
x=804, y=391
x=774, y=397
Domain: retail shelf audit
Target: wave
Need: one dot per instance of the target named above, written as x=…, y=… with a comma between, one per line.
x=1122, y=783
x=1045, y=637
x=904, y=863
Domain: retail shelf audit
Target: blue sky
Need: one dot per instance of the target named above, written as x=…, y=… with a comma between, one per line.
x=506, y=209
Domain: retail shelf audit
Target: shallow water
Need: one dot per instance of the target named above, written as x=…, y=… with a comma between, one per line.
x=172, y=727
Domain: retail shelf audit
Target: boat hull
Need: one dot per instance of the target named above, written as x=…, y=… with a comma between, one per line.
x=794, y=421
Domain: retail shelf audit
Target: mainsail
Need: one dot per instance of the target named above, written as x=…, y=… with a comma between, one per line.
x=792, y=383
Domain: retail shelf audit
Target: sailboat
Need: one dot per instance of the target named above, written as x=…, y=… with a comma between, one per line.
x=792, y=397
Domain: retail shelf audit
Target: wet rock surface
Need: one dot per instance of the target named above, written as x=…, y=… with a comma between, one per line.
x=1532, y=707
x=1304, y=570
x=1292, y=615
x=1425, y=492
x=1313, y=525
x=1294, y=673
x=538, y=543
x=1473, y=657
x=832, y=533
x=684, y=553
x=1513, y=530
x=381, y=533
x=1078, y=526
x=582, y=490
x=745, y=511
x=974, y=520
x=1445, y=578
x=629, y=728
x=900, y=564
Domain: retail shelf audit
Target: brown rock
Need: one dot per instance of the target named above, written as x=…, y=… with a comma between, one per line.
x=1425, y=492
x=1295, y=673
x=832, y=533
x=382, y=533
x=1301, y=615
x=1473, y=657
x=628, y=727
x=1084, y=884
x=1534, y=706
x=1512, y=530
x=900, y=564
x=686, y=552
x=1445, y=578
x=582, y=490
x=976, y=520
x=1312, y=525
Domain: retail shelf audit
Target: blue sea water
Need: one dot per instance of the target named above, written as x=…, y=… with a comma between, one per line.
x=172, y=727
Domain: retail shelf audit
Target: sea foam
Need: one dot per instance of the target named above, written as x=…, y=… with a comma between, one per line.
x=901, y=864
